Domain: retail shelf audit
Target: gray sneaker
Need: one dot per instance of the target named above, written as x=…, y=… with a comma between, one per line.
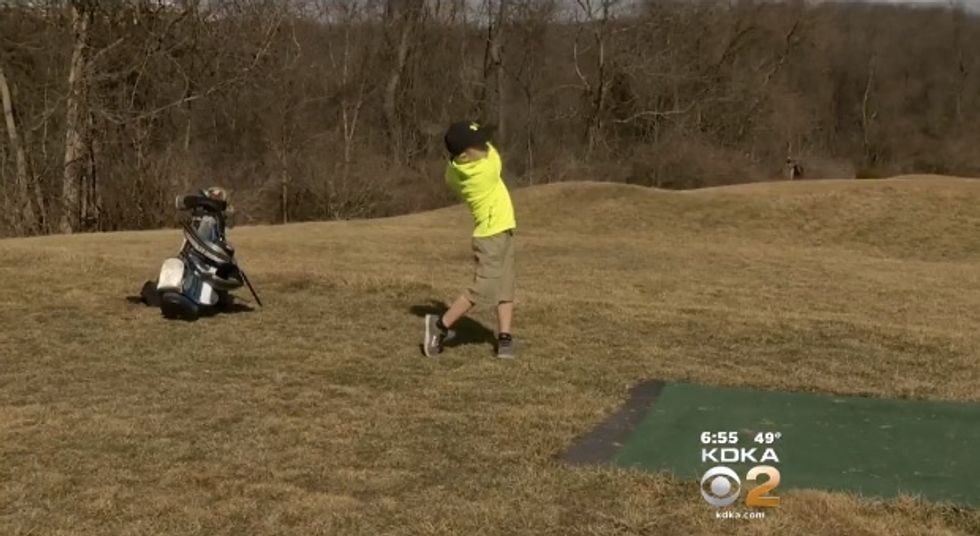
x=505, y=348
x=434, y=337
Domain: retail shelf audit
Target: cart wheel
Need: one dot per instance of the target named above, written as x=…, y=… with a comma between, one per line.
x=177, y=307
x=149, y=295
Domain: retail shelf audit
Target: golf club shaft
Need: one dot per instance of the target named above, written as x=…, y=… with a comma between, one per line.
x=250, y=288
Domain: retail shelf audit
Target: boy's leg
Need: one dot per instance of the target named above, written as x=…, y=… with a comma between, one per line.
x=494, y=278
x=505, y=298
x=460, y=307
x=505, y=315
x=505, y=342
x=437, y=326
x=506, y=277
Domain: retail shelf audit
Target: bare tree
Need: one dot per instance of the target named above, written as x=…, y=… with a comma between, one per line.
x=868, y=115
x=74, y=172
x=355, y=61
x=493, y=66
x=404, y=16
x=23, y=179
x=530, y=21
x=598, y=15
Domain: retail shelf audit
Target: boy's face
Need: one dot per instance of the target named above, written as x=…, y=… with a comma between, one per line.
x=475, y=153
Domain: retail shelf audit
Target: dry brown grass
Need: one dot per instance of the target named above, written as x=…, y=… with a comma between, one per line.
x=317, y=415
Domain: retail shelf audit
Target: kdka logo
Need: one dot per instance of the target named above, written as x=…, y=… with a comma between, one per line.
x=721, y=486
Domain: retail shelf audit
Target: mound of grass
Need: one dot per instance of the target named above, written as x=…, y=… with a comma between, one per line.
x=317, y=415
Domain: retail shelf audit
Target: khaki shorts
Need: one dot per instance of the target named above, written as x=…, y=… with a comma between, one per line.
x=494, y=279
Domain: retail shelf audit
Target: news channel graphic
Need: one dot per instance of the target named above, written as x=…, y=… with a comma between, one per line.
x=866, y=446
x=741, y=468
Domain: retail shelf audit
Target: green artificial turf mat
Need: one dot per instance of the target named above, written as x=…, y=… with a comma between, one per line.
x=868, y=446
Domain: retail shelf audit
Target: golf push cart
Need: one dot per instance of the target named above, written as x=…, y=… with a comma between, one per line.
x=199, y=280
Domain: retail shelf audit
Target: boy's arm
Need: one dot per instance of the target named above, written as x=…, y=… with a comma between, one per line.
x=451, y=179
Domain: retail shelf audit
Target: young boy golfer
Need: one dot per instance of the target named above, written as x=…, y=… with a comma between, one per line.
x=473, y=172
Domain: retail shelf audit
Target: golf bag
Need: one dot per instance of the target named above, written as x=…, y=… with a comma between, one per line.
x=199, y=280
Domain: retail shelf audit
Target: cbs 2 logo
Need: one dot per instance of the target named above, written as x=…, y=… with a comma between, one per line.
x=721, y=486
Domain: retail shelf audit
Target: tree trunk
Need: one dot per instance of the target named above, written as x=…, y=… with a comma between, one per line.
x=595, y=90
x=28, y=221
x=594, y=129
x=349, y=111
x=91, y=211
x=74, y=165
x=529, y=130
x=496, y=64
x=390, y=105
x=283, y=182
x=187, y=129
x=867, y=116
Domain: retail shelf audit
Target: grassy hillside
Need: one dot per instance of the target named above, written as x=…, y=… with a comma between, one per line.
x=317, y=414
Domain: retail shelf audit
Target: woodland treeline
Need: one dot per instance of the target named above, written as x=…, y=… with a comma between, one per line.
x=324, y=109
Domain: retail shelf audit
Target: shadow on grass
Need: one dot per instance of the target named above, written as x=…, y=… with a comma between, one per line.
x=468, y=331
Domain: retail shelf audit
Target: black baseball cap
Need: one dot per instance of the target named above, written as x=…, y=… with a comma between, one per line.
x=463, y=135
